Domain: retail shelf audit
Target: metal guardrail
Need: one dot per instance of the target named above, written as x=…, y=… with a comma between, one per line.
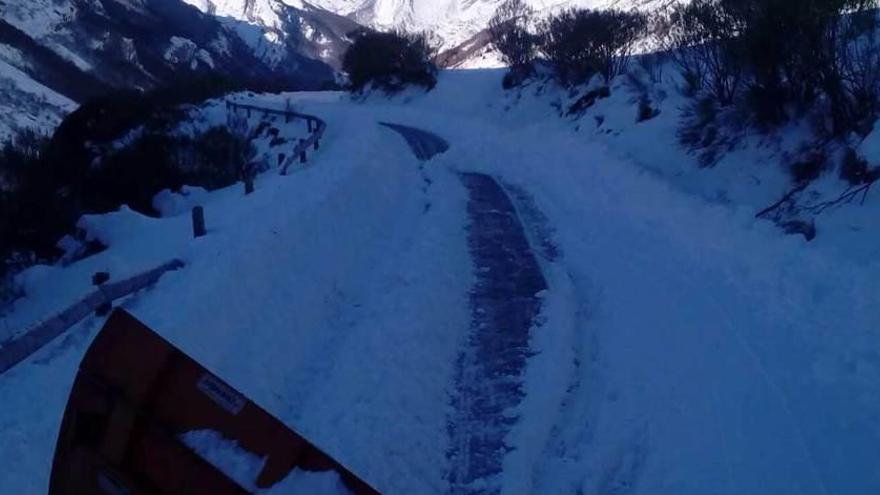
x=18, y=349
x=316, y=127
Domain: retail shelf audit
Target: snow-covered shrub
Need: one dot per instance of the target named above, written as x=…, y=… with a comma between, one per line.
x=217, y=156
x=509, y=32
x=159, y=160
x=646, y=111
x=134, y=174
x=390, y=61
x=859, y=54
x=589, y=99
x=701, y=131
x=800, y=227
x=785, y=56
x=809, y=167
x=701, y=38
x=855, y=170
x=581, y=42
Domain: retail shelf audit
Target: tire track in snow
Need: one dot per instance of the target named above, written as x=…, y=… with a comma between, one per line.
x=423, y=144
x=504, y=304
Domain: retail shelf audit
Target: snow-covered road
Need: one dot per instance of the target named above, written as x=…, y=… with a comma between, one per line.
x=504, y=303
x=681, y=347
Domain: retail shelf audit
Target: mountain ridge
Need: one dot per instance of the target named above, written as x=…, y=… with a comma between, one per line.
x=56, y=54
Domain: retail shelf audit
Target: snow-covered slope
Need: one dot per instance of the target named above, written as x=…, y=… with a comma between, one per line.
x=274, y=27
x=27, y=104
x=683, y=347
x=83, y=48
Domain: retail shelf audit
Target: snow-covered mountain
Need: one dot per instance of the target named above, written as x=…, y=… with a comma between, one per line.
x=273, y=28
x=457, y=24
x=55, y=54
x=453, y=21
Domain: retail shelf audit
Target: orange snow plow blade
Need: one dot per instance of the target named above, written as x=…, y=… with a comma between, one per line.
x=133, y=399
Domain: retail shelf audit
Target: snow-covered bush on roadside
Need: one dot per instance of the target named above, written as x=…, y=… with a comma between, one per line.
x=581, y=43
x=855, y=169
x=510, y=33
x=761, y=66
x=390, y=61
x=25, y=208
x=161, y=160
x=111, y=151
x=702, y=40
x=780, y=59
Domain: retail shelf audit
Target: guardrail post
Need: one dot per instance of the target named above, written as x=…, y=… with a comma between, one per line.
x=248, y=185
x=198, y=219
x=99, y=279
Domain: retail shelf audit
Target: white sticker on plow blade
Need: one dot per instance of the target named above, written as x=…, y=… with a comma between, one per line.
x=223, y=395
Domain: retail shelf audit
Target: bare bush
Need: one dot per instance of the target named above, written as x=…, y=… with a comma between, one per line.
x=580, y=43
x=701, y=39
x=786, y=55
x=510, y=35
x=391, y=61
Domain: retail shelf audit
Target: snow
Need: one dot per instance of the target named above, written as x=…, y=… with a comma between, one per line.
x=38, y=18
x=326, y=483
x=226, y=455
x=25, y=103
x=683, y=347
x=183, y=51
x=244, y=467
x=44, y=21
x=169, y=203
x=258, y=23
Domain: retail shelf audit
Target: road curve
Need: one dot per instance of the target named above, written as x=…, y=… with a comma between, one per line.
x=424, y=145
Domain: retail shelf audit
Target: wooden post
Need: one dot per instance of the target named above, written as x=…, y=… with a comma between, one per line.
x=99, y=279
x=248, y=185
x=309, y=124
x=302, y=156
x=198, y=218
x=317, y=143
